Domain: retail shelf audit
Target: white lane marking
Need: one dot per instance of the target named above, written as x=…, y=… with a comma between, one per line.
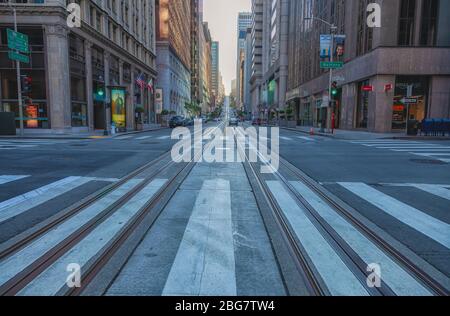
x=16, y=263
x=395, y=277
x=53, y=279
x=431, y=154
x=163, y=137
x=437, y=190
x=309, y=139
x=205, y=262
x=14, y=146
x=27, y=201
x=413, y=185
x=391, y=144
x=414, y=218
x=286, y=138
x=421, y=149
x=123, y=137
x=412, y=147
x=143, y=137
x=7, y=179
x=337, y=276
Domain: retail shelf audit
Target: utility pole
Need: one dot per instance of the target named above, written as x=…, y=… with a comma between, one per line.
x=333, y=29
x=19, y=84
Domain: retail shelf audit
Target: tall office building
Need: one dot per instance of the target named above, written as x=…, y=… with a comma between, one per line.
x=173, y=48
x=256, y=58
x=77, y=72
x=196, y=22
x=215, y=68
x=205, y=68
x=270, y=56
x=407, y=58
x=243, y=23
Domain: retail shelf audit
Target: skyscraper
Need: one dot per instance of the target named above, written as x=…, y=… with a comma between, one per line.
x=243, y=23
x=173, y=48
x=215, y=69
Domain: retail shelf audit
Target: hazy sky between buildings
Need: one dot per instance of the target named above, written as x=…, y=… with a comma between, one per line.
x=221, y=16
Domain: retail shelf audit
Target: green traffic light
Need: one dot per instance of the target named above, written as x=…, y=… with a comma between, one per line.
x=100, y=93
x=334, y=92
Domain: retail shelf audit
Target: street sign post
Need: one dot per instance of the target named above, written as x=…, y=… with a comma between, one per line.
x=17, y=41
x=331, y=64
x=18, y=57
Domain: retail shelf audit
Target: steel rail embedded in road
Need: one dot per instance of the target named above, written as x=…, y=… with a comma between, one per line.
x=34, y=269
x=302, y=262
x=412, y=268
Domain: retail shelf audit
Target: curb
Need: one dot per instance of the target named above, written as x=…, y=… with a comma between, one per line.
x=91, y=137
x=435, y=138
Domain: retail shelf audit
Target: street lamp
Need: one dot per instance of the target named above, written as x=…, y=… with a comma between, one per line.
x=333, y=29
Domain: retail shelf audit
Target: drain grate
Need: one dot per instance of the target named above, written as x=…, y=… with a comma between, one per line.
x=429, y=161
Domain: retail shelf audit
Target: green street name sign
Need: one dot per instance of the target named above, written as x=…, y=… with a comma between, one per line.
x=17, y=41
x=331, y=65
x=18, y=57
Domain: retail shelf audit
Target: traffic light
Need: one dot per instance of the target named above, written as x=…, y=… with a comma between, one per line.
x=334, y=89
x=99, y=93
x=26, y=82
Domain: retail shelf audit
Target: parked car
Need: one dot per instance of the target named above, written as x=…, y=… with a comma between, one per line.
x=176, y=121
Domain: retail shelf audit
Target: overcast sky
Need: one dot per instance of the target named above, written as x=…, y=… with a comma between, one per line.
x=221, y=16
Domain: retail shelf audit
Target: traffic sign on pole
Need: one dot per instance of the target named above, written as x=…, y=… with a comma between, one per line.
x=18, y=57
x=18, y=41
x=331, y=65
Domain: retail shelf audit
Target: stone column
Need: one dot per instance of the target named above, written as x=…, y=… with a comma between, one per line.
x=130, y=101
x=57, y=54
x=107, y=91
x=89, y=84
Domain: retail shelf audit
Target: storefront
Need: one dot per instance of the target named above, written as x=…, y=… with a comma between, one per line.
x=410, y=104
x=35, y=104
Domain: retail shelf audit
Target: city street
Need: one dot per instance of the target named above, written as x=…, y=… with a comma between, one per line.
x=219, y=232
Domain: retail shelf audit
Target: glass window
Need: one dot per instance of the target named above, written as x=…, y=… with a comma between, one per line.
x=407, y=21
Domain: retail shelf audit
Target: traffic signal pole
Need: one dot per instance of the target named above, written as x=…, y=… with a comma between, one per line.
x=331, y=78
x=19, y=85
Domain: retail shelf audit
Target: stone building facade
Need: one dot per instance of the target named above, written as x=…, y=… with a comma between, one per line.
x=76, y=70
x=407, y=57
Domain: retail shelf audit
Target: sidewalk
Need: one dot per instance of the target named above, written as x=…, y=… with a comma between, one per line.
x=361, y=135
x=77, y=136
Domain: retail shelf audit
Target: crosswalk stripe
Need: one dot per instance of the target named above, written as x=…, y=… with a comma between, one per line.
x=27, y=201
x=286, y=138
x=143, y=137
x=437, y=190
x=16, y=263
x=394, y=276
x=123, y=137
x=336, y=275
x=421, y=149
x=414, y=218
x=306, y=138
x=53, y=279
x=163, y=137
x=7, y=179
x=197, y=270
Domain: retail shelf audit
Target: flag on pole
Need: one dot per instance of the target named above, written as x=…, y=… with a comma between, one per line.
x=150, y=85
x=140, y=81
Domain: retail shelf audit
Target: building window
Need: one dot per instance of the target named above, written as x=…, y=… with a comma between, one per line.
x=428, y=31
x=407, y=22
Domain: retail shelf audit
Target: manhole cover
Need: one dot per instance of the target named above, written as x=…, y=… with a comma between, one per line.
x=429, y=161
